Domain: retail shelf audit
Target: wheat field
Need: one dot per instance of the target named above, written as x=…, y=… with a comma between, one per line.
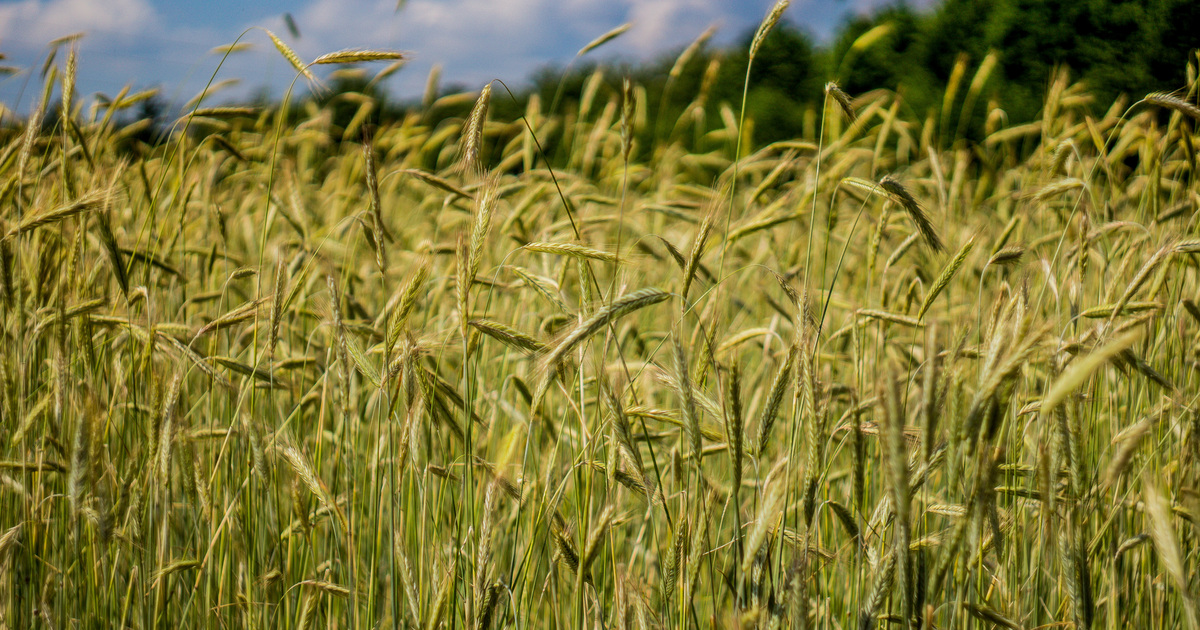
x=592, y=368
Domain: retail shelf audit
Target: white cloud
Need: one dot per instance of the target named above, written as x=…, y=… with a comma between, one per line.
x=478, y=40
x=128, y=42
x=664, y=24
x=866, y=7
x=34, y=23
x=474, y=40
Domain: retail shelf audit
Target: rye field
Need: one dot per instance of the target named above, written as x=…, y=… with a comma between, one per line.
x=601, y=368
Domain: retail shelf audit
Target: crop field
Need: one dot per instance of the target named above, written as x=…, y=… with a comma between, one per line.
x=601, y=366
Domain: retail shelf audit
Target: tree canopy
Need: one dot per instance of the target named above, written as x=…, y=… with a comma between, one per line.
x=1117, y=47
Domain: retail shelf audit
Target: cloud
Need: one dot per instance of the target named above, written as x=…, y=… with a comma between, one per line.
x=665, y=24
x=473, y=40
x=130, y=42
x=34, y=23
x=479, y=40
x=866, y=7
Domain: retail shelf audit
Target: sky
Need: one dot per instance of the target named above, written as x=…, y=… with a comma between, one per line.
x=168, y=43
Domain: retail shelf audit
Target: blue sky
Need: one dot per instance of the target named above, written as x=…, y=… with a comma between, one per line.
x=167, y=43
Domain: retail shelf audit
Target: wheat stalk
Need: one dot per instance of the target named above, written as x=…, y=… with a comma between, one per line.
x=1170, y=101
x=292, y=58
x=944, y=278
x=619, y=308
x=473, y=133
x=842, y=99
x=572, y=250
x=357, y=56
x=768, y=23
x=89, y=202
x=604, y=39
